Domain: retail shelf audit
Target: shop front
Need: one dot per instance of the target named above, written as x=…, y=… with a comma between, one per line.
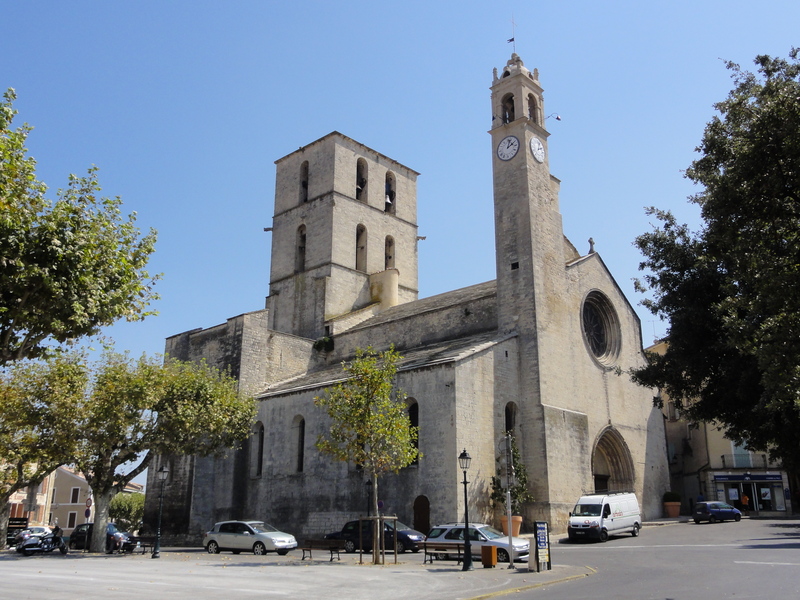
x=753, y=493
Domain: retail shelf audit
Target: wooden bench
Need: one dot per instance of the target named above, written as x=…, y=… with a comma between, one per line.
x=333, y=546
x=144, y=542
x=436, y=549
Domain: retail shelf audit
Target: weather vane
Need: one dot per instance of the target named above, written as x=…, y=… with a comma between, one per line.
x=513, y=34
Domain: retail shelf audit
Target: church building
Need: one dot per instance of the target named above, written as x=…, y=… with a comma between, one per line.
x=541, y=351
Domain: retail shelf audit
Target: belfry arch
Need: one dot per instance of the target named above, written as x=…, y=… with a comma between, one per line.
x=612, y=464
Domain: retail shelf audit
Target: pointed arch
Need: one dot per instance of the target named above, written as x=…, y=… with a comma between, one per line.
x=361, y=248
x=507, y=105
x=388, y=253
x=534, y=112
x=389, y=204
x=362, y=179
x=510, y=417
x=612, y=463
x=304, y=182
x=300, y=250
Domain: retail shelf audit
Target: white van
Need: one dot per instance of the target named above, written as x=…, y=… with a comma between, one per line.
x=597, y=516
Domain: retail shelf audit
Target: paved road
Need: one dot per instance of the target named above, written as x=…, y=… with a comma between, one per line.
x=750, y=559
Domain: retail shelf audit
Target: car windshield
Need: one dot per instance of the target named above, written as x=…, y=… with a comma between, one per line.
x=491, y=533
x=112, y=528
x=400, y=526
x=262, y=527
x=586, y=510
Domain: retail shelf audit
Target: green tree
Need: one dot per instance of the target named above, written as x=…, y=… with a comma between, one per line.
x=67, y=267
x=135, y=410
x=127, y=511
x=730, y=290
x=519, y=482
x=370, y=425
x=39, y=404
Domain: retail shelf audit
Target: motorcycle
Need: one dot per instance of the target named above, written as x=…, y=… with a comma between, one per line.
x=45, y=543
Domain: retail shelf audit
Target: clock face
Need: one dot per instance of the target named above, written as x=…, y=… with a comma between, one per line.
x=537, y=148
x=507, y=148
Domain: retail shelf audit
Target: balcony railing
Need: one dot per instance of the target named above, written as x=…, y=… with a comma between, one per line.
x=748, y=461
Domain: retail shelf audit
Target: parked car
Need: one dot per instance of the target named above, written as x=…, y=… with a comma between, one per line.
x=407, y=538
x=715, y=511
x=81, y=536
x=597, y=516
x=481, y=535
x=257, y=537
x=35, y=531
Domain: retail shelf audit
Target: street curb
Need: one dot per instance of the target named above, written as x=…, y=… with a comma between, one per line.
x=534, y=586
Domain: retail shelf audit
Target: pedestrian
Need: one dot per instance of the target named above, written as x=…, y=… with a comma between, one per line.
x=746, y=503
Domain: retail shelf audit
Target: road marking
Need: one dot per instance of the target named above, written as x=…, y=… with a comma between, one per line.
x=777, y=564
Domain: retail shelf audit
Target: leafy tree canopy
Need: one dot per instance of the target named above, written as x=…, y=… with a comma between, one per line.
x=370, y=425
x=127, y=511
x=67, y=267
x=731, y=290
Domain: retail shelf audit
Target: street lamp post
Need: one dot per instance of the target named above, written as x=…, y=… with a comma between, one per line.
x=463, y=461
x=162, y=474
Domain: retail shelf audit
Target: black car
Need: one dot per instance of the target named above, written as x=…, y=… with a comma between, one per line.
x=407, y=538
x=116, y=540
x=716, y=511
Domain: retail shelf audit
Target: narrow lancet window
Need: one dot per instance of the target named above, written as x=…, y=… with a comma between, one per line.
x=361, y=249
x=361, y=180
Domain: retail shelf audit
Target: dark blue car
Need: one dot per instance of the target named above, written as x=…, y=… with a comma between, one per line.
x=407, y=538
x=715, y=511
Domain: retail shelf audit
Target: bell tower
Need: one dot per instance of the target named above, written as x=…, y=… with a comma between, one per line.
x=528, y=230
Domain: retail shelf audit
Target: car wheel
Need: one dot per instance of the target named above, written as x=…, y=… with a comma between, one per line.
x=502, y=555
x=400, y=547
x=283, y=552
x=603, y=535
x=635, y=531
x=259, y=549
x=415, y=550
x=63, y=549
x=737, y=518
x=27, y=552
x=349, y=546
x=712, y=519
x=213, y=548
x=697, y=521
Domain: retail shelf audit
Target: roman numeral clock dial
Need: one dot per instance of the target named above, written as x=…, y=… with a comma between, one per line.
x=507, y=148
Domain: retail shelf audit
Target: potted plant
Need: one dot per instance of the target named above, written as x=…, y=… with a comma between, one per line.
x=672, y=504
x=519, y=491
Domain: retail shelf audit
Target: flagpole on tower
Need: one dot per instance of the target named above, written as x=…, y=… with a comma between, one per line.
x=513, y=34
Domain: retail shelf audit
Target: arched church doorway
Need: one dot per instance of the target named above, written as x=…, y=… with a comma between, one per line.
x=422, y=514
x=612, y=465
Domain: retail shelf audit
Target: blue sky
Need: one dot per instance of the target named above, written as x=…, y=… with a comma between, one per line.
x=185, y=105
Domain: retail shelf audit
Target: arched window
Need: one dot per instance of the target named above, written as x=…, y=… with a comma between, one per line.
x=300, y=442
x=510, y=421
x=508, y=108
x=300, y=250
x=389, y=253
x=361, y=249
x=361, y=180
x=257, y=450
x=389, y=205
x=533, y=110
x=304, y=182
x=413, y=416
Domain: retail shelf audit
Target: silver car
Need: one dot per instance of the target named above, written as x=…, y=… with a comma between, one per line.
x=481, y=535
x=248, y=536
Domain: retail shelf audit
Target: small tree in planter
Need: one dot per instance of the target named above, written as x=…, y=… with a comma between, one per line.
x=519, y=486
x=672, y=504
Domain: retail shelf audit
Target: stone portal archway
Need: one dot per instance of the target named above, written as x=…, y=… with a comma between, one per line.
x=422, y=514
x=612, y=465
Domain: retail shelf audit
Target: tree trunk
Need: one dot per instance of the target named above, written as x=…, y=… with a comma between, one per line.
x=102, y=501
x=5, y=510
x=377, y=536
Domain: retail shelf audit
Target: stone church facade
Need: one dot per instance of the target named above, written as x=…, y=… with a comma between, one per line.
x=536, y=351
